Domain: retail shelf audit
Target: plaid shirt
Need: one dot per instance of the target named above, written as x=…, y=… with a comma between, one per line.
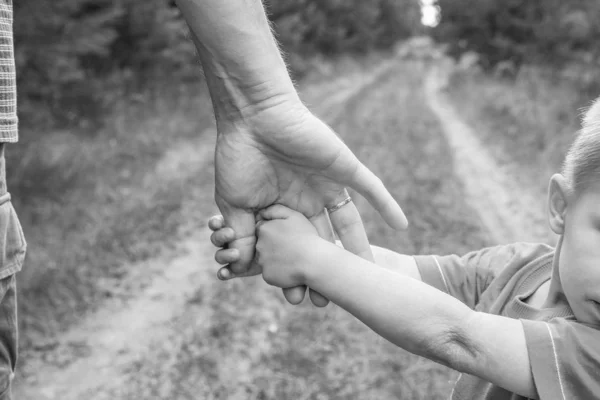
x=8, y=86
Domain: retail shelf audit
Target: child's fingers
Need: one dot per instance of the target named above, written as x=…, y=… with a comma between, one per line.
x=350, y=229
x=227, y=256
x=222, y=237
x=216, y=222
x=276, y=211
x=317, y=298
x=225, y=274
x=294, y=295
x=323, y=226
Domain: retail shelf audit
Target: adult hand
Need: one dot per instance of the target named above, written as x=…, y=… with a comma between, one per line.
x=270, y=148
x=280, y=153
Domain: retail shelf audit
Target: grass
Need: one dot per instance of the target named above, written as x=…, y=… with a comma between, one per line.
x=529, y=121
x=90, y=205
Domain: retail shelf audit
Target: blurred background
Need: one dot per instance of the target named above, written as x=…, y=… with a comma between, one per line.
x=463, y=107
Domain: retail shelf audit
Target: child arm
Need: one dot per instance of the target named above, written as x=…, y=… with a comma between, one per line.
x=394, y=303
x=424, y=320
x=222, y=235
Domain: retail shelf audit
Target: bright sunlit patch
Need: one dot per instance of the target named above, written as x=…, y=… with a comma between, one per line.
x=431, y=13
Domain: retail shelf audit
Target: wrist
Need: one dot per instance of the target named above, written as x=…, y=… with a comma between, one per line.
x=240, y=57
x=246, y=107
x=321, y=258
x=238, y=96
x=265, y=120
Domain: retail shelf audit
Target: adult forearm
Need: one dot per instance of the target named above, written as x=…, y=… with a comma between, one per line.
x=396, y=262
x=241, y=60
x=407, y=312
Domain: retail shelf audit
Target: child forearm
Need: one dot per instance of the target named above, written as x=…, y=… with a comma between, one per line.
x=409, y=313
x=241, y=60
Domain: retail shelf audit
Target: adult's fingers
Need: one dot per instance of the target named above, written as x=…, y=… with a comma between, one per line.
x=348, y=225
x=294, y=295
x=317, y=298
x=323, y=227
x=348, y=170
x=372, y=188
x=242, y=223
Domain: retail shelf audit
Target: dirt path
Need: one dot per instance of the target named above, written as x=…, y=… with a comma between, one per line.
x=509, y=212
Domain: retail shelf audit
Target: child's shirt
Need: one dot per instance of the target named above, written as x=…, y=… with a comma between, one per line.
x=564, y=353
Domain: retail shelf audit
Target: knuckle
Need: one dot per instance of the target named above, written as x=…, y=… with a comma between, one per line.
x=345, y=226
x=221, y=237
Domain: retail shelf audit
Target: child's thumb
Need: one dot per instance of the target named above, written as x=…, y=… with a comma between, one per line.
x=242, y=222
x=276, y=211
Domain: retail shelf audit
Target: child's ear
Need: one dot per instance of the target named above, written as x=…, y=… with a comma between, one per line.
x=558, y=195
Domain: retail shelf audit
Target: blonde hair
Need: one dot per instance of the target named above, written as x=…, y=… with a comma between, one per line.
x=582, y=163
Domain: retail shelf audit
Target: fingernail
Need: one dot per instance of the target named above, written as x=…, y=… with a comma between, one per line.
x=223, y=274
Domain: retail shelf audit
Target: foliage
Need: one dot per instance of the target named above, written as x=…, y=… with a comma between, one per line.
x=520, y=30
x=74, y=56
x=333, y=26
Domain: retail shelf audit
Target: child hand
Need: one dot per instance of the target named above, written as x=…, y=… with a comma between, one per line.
x=286, y=234
x=287, y=241
x=221, y=237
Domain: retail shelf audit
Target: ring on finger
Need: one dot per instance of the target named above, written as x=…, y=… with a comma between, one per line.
x=339, y=205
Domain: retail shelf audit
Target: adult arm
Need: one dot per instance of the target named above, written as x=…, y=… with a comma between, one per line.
x=270, y=148
x=243, y=66
x=424, y=320
x=396, y=262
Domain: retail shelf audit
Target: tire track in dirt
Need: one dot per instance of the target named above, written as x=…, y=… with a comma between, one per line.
x=508, y=211
x=110, y=341
x=332, y=96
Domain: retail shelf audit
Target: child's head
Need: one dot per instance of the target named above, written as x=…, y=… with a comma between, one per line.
x=574, y=213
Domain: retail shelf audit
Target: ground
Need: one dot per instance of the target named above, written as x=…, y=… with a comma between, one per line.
x=170, y=330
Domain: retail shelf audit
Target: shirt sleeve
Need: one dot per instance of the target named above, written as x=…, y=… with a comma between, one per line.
x=564, y=357
x=466, y=277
